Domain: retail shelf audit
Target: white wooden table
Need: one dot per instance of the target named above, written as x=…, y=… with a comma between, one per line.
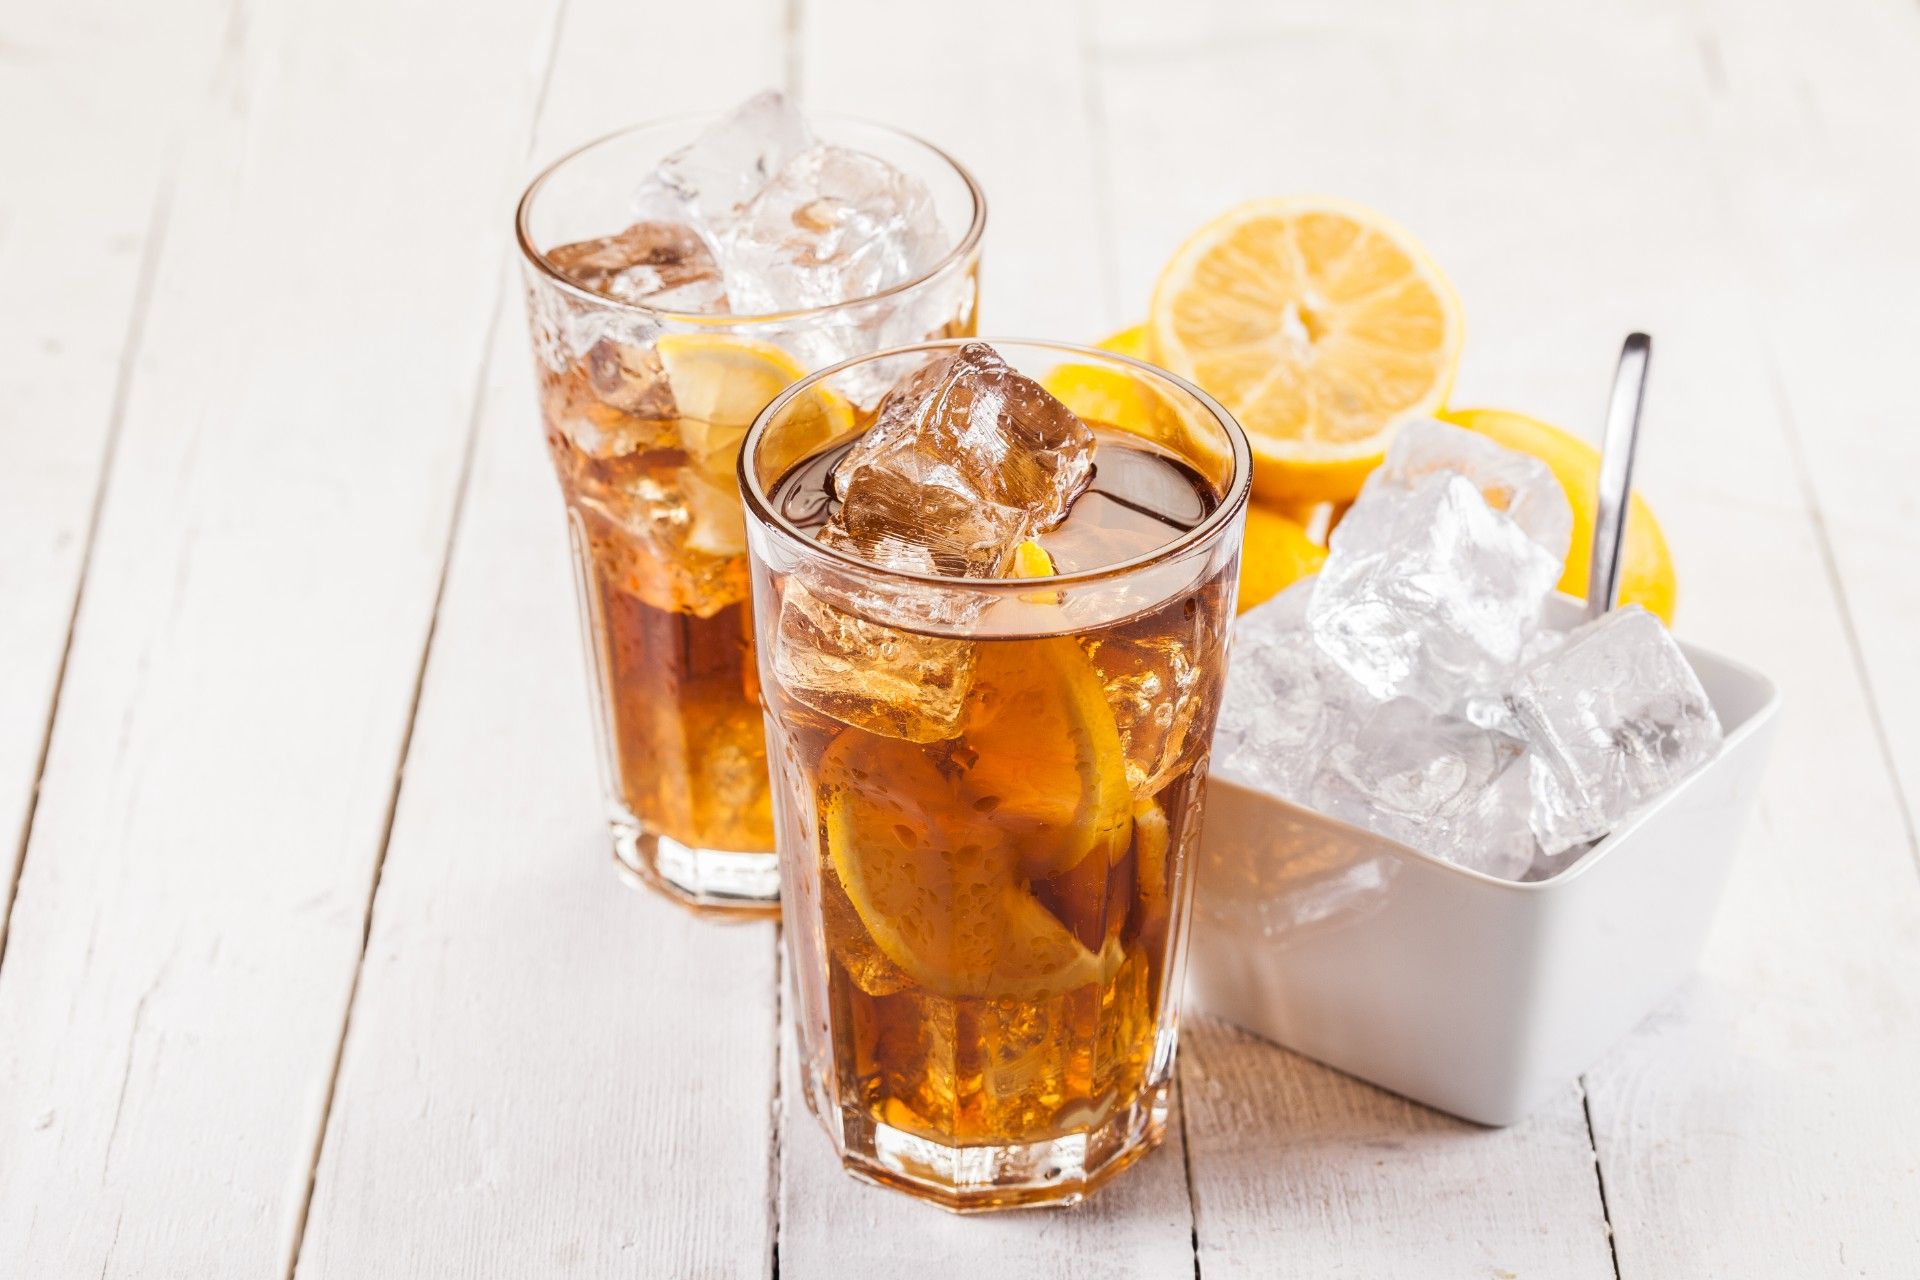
x=314, y=961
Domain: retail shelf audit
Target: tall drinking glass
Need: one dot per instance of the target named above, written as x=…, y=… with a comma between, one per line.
x=644, y=409
x=986, y=790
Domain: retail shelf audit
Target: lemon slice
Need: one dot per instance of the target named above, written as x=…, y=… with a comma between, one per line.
x=935, y=888
x=1320, y=325
x=1152, y=847
x=1046, y=761
x=1151, y=841
x=721, y=383
x=1646, y=574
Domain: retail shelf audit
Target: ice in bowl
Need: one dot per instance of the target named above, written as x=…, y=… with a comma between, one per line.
x=1420, y=693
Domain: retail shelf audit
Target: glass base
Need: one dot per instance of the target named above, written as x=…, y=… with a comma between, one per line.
x=1047, y=1173
x=713, y=882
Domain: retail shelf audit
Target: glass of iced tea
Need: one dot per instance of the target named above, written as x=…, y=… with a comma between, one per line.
x=680, y=274
x=992, y=612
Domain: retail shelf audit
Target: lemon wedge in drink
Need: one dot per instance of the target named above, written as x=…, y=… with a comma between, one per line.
x=932, y=882
x=936, y=857
x=721, y=383
x=1320, y=325
x=1046, y=762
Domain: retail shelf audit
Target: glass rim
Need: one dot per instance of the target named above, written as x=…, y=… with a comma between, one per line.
x=962, y=249
x=1239, y=484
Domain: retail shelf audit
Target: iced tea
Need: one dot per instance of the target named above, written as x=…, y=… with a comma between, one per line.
x=989, y=752
x=644, y=252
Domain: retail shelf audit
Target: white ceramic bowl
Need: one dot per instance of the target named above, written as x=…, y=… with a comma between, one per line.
x=1471, y=994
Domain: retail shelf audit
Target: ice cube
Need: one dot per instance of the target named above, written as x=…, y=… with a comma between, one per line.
x=664, y=533
x=1283, y=704
x=880, y=678
x=613, y=403
x=1517, y=483
x=707, y=183
x=1429, y=592
x=660, y=264
x=1614, y=716
x=631, y=379
x=966, y=457
x=1438, y=783
x=1155, y=689
x=832, y=226
x=1487, y=706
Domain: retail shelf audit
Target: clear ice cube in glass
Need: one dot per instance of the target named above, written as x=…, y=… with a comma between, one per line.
x=832, y=226
x=862, y=672
x=965, y=459
x=709, y=181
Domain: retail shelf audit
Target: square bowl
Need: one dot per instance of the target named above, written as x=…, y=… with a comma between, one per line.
x=1471, y=994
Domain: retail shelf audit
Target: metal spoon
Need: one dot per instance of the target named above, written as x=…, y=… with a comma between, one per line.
x=1616, y=473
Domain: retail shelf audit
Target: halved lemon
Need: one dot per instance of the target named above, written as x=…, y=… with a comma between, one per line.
x=1320, y=325
x=931, y=881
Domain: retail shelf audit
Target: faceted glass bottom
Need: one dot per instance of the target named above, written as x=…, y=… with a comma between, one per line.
x=1047, y=1173
x=715, y=882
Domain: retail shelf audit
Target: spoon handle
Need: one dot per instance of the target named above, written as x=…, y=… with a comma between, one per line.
x=1616, y=473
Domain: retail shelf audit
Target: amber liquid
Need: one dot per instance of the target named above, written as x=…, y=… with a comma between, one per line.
x=985, y=979
x=671, y=628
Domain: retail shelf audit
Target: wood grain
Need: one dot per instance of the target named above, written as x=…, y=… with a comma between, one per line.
x=547, y=1072
x=1000, y=87
x=1300, y=1171
x=83, y=212
x=1764, y=1124
x=191, y=908
x=1818, y=166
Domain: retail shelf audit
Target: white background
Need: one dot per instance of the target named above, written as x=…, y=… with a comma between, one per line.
x=314, y=961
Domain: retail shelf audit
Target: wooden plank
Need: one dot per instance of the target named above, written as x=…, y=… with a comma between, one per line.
x=831, y=1225
x=1003, y=91
x=1566, y=178
x=1821, y=186
x=1763, y=1125
x=244, y=664
x=1000, y=89
x=1300, y=1171
x=546, y=1072
x=82, y=212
